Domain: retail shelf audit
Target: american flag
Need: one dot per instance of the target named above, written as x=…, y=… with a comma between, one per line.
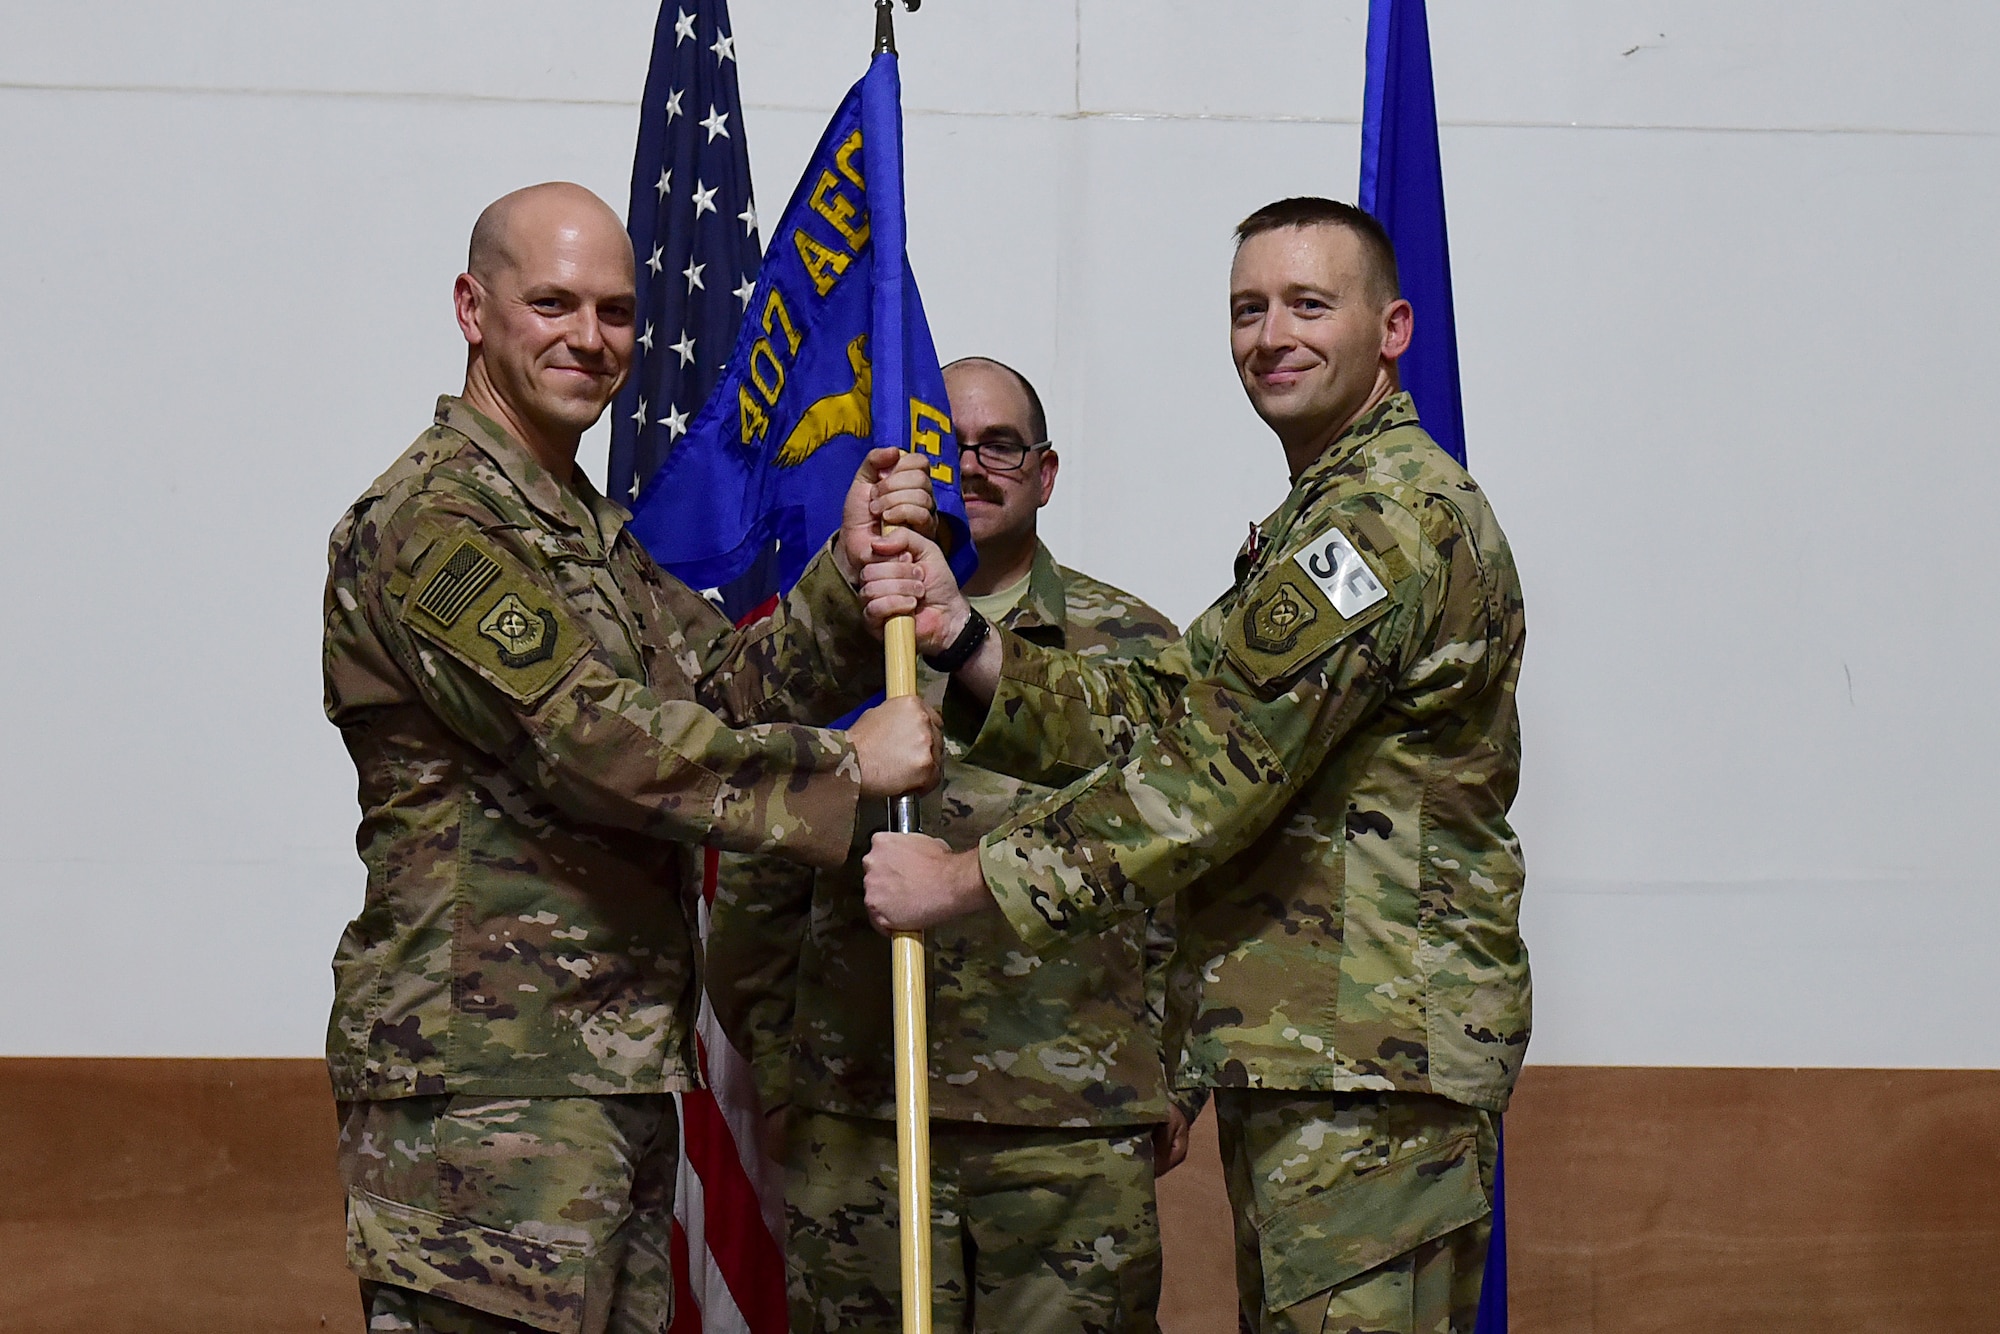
x=694, y=232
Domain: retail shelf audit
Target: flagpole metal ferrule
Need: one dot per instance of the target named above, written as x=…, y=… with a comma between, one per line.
x=885, y=24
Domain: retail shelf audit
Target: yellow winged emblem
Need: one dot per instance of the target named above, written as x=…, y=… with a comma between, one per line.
x=836, y=414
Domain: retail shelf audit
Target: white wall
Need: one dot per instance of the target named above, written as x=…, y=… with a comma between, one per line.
x=1726, y=285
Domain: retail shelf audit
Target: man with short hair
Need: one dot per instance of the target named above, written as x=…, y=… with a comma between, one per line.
x=544, y=724
x=1321, y=769
x=1049, y=1102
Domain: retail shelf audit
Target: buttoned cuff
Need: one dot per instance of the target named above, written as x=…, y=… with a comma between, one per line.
x=1023, y=902
x=1029, y=729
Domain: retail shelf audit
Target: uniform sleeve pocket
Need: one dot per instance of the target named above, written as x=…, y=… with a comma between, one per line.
x=1346, y=1231
x=542, y=1284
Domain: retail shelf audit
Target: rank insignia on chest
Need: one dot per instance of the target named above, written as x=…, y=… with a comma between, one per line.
x=524, y=635
x=1277, y=621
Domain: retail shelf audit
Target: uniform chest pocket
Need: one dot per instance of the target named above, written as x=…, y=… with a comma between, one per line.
x=593, y=588
x=673, y=626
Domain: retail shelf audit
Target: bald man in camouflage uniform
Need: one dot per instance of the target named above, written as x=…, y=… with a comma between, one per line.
x=1049, y=1102
x=544, y=724
x=1321, y=769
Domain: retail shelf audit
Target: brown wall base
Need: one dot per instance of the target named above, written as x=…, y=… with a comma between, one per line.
x=161, y=1196
x=168, y=1197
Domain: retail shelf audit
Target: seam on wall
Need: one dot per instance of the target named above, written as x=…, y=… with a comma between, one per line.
x=1249, y=118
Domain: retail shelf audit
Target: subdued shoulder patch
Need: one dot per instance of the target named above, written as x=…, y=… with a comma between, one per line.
x=1279, y=618
x=491, y=614
x=459, y=580
x=1299, y=609
x=525, y=635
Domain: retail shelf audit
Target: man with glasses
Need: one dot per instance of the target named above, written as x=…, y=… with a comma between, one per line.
x=1050, y=1108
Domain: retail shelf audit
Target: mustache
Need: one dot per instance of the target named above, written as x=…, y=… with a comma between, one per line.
x=978, y=488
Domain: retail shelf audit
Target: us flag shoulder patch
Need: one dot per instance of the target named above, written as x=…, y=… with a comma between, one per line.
x=454, y=587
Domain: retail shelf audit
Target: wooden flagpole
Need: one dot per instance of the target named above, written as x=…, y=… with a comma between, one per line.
x=912, y=1043
x=913, y=1092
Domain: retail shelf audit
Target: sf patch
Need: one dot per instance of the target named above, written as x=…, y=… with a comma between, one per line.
x=484, y=607
x=1331, y=561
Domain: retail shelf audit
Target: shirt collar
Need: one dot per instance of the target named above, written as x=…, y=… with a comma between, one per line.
x=1045, y=606
x=1398, y=409
x=1275, y=532
x=578, y=506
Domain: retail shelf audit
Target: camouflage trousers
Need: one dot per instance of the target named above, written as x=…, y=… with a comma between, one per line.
x=467, y=1215
x=1032, y=1231
x=1357, y=1212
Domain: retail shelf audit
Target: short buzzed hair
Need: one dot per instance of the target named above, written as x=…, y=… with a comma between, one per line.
x=1038, y=421
x=487, y=253
x=1313, y=211
x=492, y=249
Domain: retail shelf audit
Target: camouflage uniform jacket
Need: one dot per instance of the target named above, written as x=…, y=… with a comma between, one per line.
x=541, y=723
x=1066, y=1037
x=1326, y=780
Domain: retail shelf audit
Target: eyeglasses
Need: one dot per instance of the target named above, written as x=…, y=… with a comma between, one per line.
x=1001, y=455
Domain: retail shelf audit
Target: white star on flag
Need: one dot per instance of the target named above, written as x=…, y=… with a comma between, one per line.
x=698, y=140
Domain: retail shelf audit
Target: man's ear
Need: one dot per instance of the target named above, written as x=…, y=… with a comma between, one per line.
x=1051, y=463
x=466, y=294
x=1399, y=325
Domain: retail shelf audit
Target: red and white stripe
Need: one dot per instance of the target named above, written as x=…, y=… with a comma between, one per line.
x=729, y=1204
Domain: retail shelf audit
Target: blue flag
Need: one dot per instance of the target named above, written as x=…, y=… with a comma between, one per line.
x=1493, y=1289
x=833, y=358
x=1402, y=184
x=694, y=232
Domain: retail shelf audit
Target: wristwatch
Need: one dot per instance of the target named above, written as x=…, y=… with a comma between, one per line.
x=970, y=636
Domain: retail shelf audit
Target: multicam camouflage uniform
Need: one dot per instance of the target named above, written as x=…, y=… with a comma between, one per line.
x=1045, y=1075
x=542, y=724
x=1322, y=769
